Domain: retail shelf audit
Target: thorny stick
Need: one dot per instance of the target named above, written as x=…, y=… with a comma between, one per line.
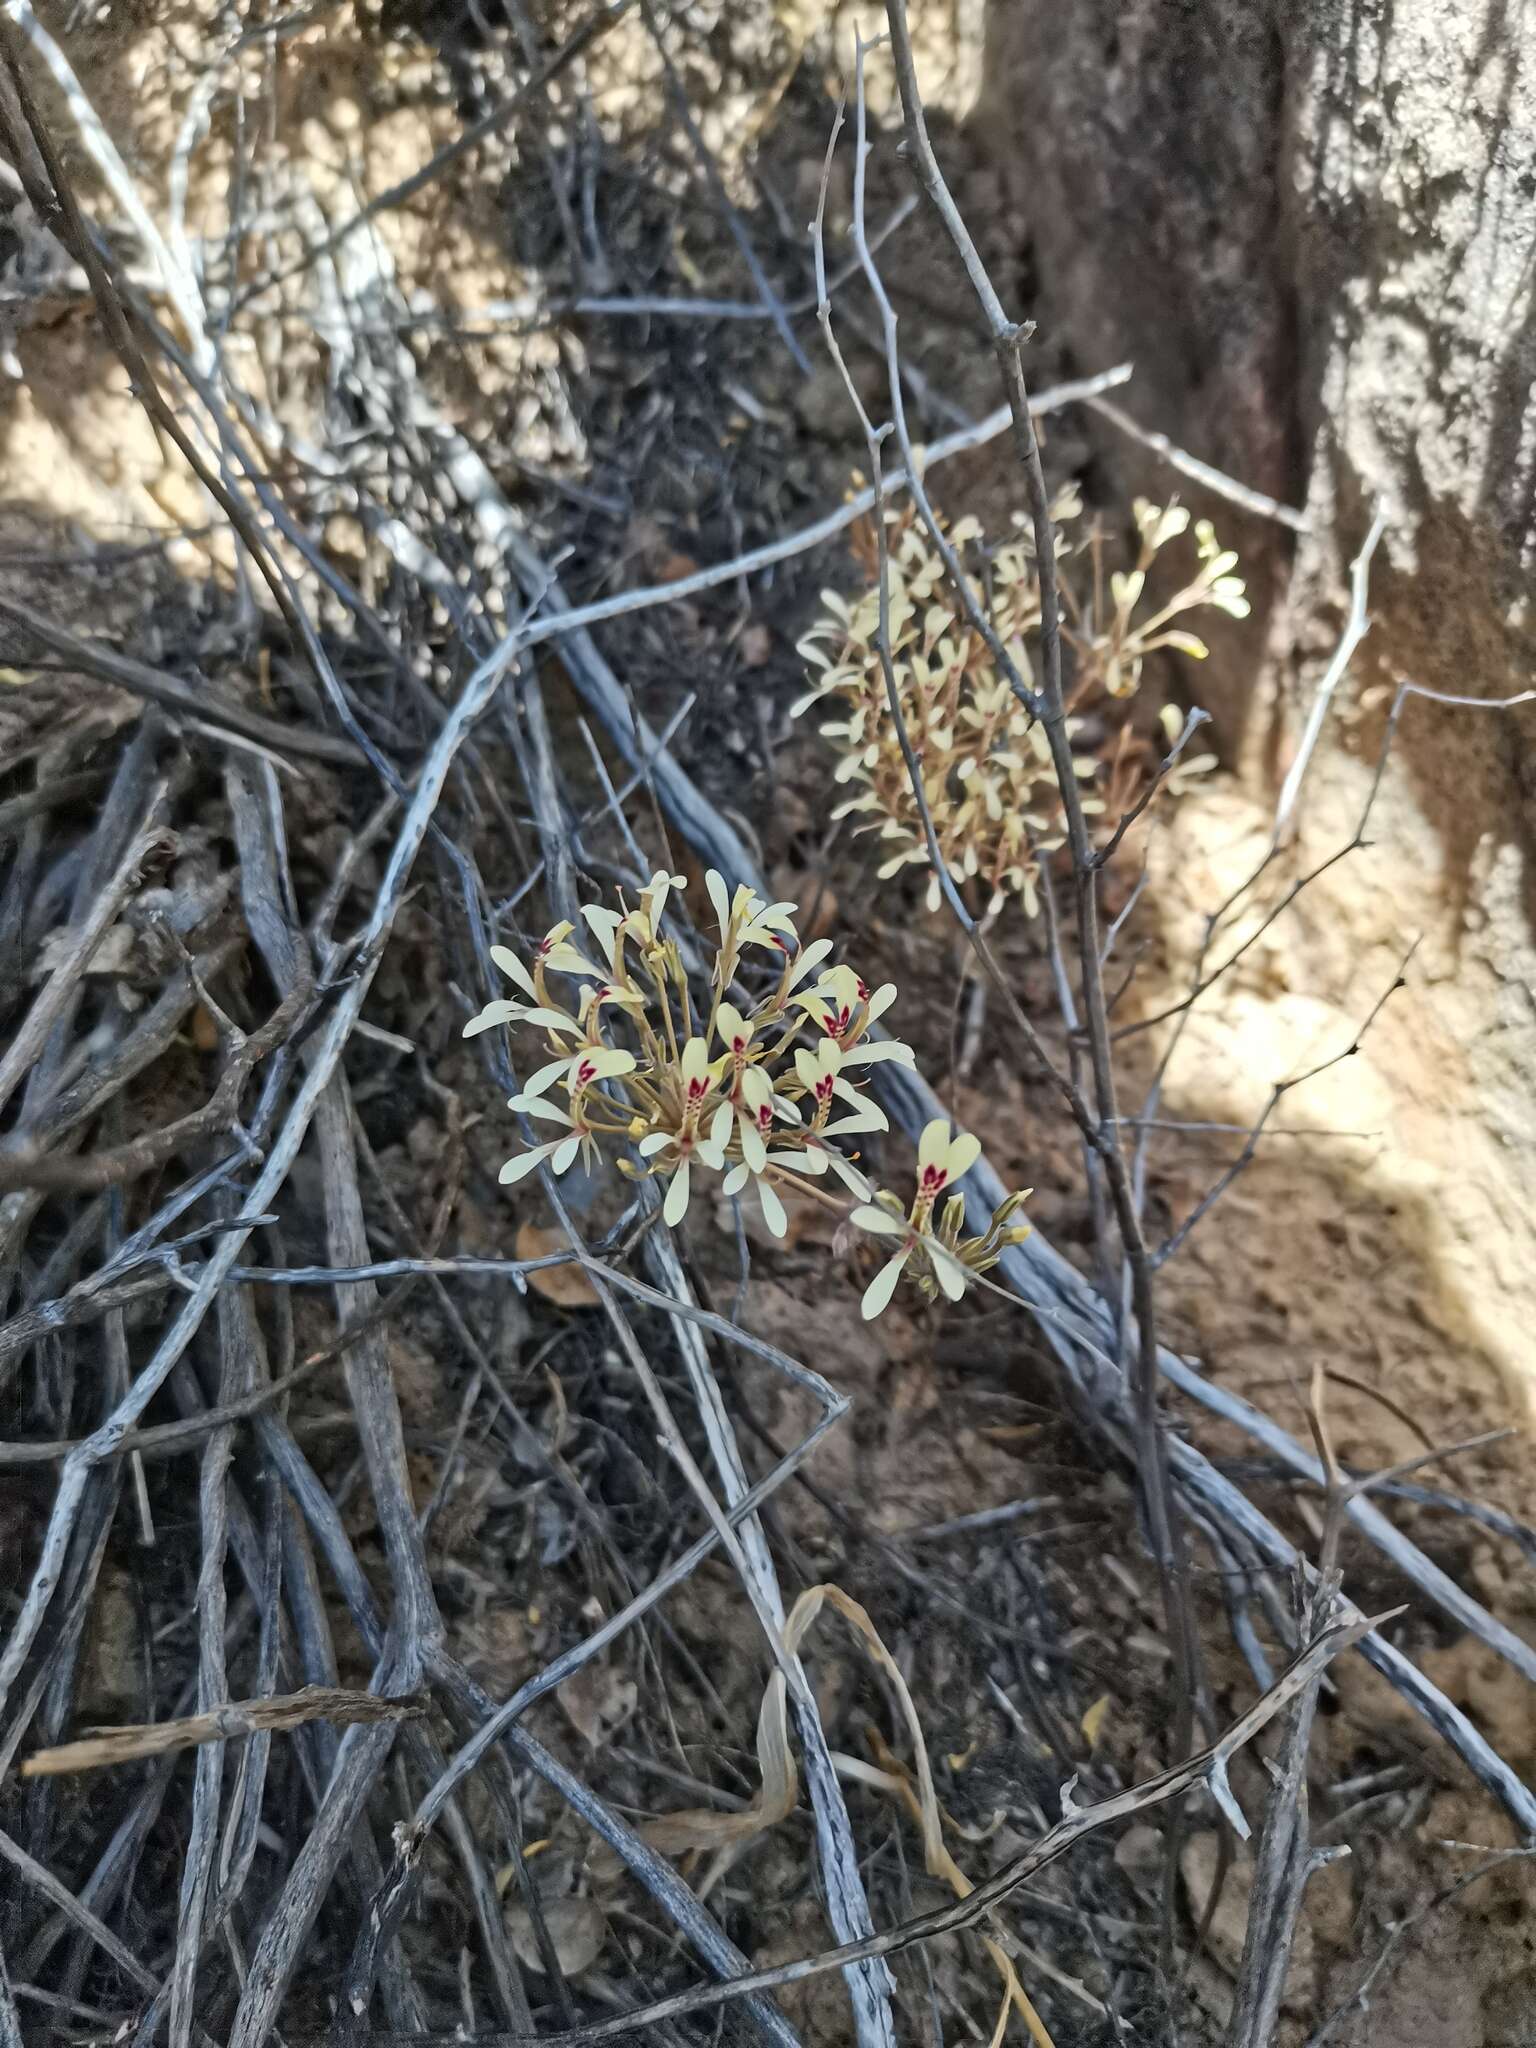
x=1152, y=1462
x=1355, y=630
x=1285, y=1860
x=1277, y=1094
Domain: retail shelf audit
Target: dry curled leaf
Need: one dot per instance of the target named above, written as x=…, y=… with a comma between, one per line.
x=726, y=1833
x=565, y=1286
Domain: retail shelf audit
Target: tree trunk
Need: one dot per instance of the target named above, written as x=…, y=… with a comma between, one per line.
x=1313, y=228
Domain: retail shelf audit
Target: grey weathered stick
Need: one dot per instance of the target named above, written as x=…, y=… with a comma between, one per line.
x=63, y=983
x=44, y=1881
x=10, y=2019
x=1214, y=480
x=692, y=1920
x=206, y=707
x=1139, y=1342
x=564, y=619
x=1356, y=626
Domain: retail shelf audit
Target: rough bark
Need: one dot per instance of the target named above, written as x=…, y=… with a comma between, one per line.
x=1313, y=226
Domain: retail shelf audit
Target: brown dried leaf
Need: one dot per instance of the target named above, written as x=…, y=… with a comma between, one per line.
x=565, y=1286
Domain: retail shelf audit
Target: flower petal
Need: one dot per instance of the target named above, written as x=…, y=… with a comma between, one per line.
x=525, y=1162
x=736, y=1180
x=962, y=1156
x=812, y=1160
x=675, y=1208
x=848, y=1174
x=880, y=1221
x=732, y=1027
x=499, y=1012
x=878, y=1293
x=756, y=1090
x=566, y=960
x=719, y=895
x=808, y=957
x=552, y=1020
x=545, y=1077
x=603, y=925
x=933, y=1145
x=535, y=1105
x=949, y=1273
x=654, y=1141
x=773, y=1209
x=866, y=1055
x=869, y=1116
x=514, y=970
x=603, y=1063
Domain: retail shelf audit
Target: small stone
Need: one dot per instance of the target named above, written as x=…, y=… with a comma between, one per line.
x=1139, y=1853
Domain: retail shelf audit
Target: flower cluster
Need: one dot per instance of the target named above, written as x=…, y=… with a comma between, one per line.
x=761, y=1090
x=988, y=779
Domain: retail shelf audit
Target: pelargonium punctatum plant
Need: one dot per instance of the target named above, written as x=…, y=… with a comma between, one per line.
x=756, y=1090
x=988, y=779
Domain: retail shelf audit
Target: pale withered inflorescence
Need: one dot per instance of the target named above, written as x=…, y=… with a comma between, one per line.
x=987, y=775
